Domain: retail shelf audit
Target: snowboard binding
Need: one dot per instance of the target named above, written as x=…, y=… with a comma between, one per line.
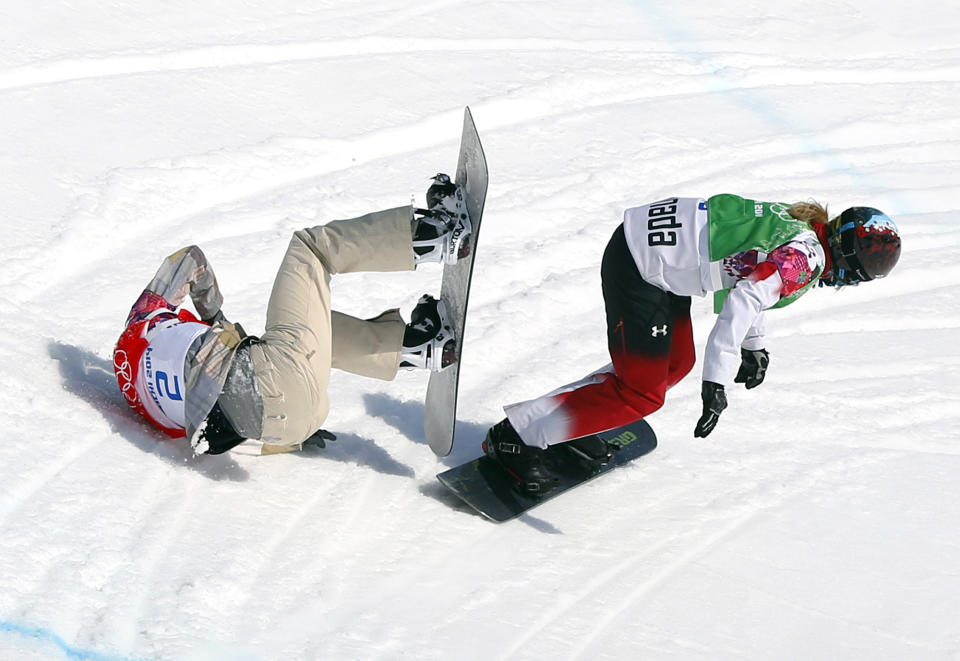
x=429, y=341
x=442, y=231
x=592, y=451
x=521, y=462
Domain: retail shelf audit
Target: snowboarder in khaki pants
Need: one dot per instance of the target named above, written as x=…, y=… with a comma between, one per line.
x=206, y=380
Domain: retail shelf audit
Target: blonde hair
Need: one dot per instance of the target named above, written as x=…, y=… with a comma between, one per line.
x=809, y=212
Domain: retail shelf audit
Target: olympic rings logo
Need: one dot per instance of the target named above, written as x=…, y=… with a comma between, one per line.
x=124, y=372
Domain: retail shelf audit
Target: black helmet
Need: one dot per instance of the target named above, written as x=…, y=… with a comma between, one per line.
x=864, y=244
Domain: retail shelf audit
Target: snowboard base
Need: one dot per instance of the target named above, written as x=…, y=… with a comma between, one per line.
x=440, y=406
x=484, y=485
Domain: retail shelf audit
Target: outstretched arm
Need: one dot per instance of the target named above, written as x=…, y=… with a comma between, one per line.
x=184, y=272
x=739, y=323
x=187, y=271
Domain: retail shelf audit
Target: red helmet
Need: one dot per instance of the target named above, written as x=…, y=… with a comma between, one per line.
x=864, y=244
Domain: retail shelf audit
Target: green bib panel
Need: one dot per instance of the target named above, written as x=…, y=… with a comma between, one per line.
x=737, y=225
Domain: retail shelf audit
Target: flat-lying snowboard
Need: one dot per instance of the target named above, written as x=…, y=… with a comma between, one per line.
x=485, y=487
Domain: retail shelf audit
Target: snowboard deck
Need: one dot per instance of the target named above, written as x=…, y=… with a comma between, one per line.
x=440, y=407
x=484, y=485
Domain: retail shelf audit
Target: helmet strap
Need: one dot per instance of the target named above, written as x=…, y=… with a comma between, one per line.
x=846, y=260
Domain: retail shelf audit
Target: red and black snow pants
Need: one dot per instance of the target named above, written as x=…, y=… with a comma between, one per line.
x=650, y=338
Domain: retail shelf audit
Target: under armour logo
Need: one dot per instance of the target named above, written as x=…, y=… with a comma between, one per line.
x=656, y=332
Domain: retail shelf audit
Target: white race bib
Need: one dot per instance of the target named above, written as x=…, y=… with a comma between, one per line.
x=162, y=367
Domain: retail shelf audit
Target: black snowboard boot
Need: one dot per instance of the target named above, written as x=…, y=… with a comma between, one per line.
x=441, y=232
x=522, y=462
x=428, y=341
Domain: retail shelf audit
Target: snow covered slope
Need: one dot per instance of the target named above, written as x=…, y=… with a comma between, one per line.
x=821, y=518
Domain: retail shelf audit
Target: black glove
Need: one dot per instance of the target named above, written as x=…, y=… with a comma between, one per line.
x=714, y=401
x=319, y=439
x=753, y=367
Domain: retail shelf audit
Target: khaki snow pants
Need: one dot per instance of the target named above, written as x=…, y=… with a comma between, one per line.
x=304, y=337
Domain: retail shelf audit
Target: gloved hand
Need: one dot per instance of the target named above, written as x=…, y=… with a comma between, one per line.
x=319, y=439
x=753, y=367
x=218, y=318
x=714, y=401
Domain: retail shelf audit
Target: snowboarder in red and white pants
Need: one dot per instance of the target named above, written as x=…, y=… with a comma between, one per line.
x=754, y=255
x=204, y=379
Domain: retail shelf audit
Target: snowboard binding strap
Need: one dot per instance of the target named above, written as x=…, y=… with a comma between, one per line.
x=508, y=448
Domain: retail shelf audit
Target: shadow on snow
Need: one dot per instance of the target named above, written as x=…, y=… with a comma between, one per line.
x=91, y=378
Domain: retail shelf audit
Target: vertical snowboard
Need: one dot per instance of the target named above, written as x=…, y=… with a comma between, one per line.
x=484, y=485
x=440, y=409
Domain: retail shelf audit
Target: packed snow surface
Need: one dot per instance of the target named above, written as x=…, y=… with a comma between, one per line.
x=821, y=520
